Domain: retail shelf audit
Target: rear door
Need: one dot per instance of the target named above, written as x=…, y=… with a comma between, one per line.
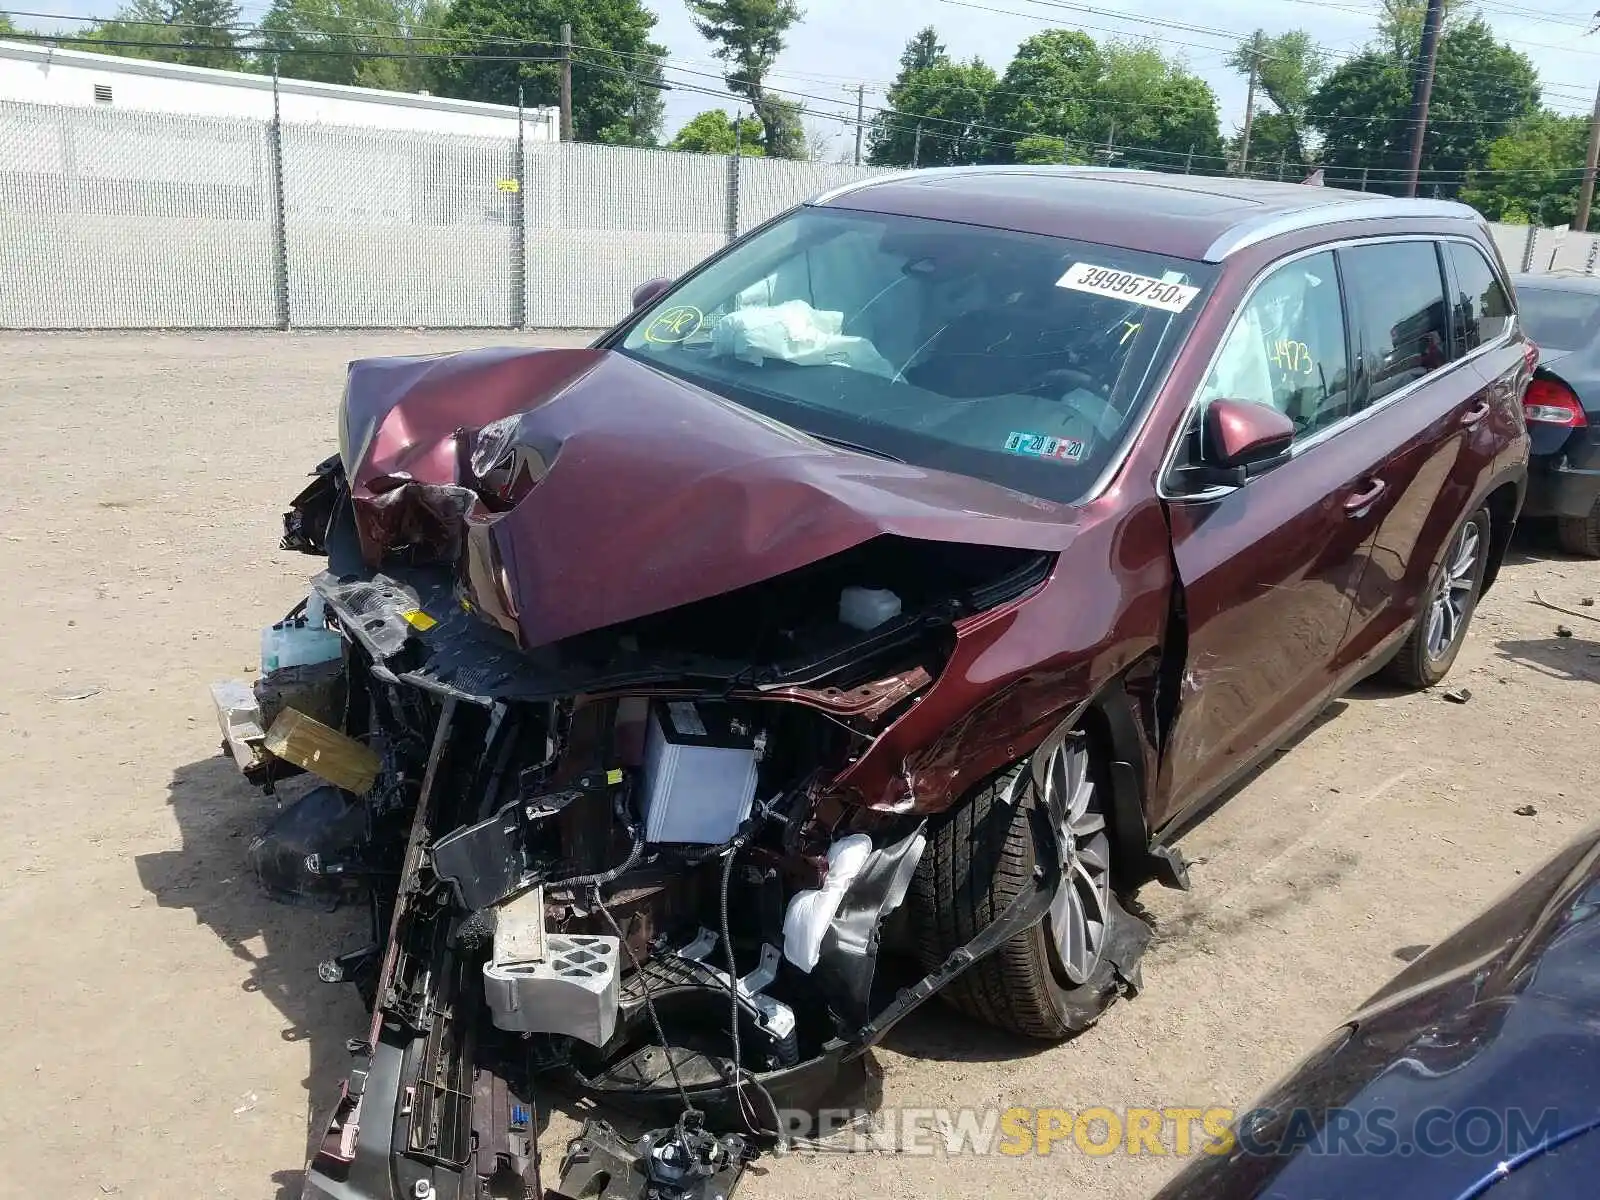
x=1268, y=568
x=1437, y=394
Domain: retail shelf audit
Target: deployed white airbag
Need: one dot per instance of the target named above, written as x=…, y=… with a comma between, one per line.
x=794, y=332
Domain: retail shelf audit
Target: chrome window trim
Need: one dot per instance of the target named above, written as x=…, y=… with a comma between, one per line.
x=1259, y=229
x=1322, y=435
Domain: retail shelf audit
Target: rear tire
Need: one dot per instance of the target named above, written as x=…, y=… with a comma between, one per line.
x=1581, y=535
x=1428, y=652
x=979, y=857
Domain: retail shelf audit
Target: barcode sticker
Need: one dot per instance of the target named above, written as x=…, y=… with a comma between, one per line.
x=1125, y=285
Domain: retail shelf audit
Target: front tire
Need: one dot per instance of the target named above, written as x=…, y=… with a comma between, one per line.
x=1055, y=979
x=1428, y=652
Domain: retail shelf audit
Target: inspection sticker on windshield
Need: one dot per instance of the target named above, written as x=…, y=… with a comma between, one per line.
x=1040, y=445
x=1125, y=285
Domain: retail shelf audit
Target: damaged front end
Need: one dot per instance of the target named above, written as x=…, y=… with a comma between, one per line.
x=609, y=845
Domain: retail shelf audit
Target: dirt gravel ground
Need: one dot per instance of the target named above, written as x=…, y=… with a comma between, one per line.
x=162, y=1029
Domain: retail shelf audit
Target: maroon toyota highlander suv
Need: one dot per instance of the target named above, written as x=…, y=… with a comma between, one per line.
x=1271, y=434
x=939, y=545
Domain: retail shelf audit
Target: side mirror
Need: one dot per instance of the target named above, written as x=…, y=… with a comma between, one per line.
x=1239, y=439
x=649, y=291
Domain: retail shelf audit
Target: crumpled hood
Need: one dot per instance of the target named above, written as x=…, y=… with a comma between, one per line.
x=652, y=493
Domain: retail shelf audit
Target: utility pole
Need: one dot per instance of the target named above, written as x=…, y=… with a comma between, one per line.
x=1422, y=89
x=1283, y=156
x=916, y=145
x=861, y=94
x=1580, y=219
x=1188, y=162
x=1109, y=154
x=566, y=82
x=1363, y=179
x=1249, y=109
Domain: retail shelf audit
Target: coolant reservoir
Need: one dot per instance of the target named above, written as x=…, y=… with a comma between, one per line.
x=290, y=645
x=867, y=608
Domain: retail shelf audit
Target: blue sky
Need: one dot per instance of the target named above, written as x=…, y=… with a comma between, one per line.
x=844, y=42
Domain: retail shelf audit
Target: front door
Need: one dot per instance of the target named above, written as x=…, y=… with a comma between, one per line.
x=1268, y=568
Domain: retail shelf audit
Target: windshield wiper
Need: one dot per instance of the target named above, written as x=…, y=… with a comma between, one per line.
x=843, y=444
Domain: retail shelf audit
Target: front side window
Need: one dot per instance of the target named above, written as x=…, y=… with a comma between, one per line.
x=1483, y=311
x=1397, y=296
x=1286, y=349
x=1019, y=358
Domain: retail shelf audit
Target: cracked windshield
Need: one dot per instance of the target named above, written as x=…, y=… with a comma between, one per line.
x=1013, y=357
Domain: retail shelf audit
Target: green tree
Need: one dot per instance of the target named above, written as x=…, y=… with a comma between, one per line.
x=748, y=36
x=948, y=100
x=712, y=132
x=347, y=40
x=6, y=27
x=1042, y=150
x=616, y=73
x=1400, y=25
x=1048, y=90
x=1481, y=90
x=1532, y=173
x=198, y=33
x=922, y=51
x=1151, y=109
x=1288, y=68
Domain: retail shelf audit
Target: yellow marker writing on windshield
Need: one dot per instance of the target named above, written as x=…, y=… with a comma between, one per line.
x=1131, y=327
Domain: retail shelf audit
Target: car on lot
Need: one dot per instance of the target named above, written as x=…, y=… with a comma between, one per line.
x=1561, y=313
x=1474, y=1073
x=911, y=569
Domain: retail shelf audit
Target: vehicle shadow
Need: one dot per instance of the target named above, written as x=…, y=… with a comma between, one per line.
x=936, y=1033
x=1535, y=540
x=277, y=946
x=1574, y=658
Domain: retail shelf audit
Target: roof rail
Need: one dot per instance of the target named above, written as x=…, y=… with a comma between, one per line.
x=1259, y=229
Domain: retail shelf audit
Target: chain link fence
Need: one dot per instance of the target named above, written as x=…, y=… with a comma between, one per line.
x=112, y=219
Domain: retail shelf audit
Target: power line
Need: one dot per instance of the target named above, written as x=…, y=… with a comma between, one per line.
x=1183, y=26
x=909, y=120
x=1492, y=78
x=967, y=128
x=439, y=34
x=1071, y=5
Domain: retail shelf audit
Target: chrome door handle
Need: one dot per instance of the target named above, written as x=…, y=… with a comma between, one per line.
x=1357, y=505
x=1473, y=416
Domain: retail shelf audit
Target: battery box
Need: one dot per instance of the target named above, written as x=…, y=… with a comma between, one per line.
x=699, y=776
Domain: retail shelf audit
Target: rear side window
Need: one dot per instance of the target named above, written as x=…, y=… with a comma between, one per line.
x=1560, y=319
x=1397, y=302
x=1482, y=308
x=1287, y=347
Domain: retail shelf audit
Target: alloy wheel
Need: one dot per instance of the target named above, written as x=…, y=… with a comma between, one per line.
x=1447, y=614
x=1078, y=917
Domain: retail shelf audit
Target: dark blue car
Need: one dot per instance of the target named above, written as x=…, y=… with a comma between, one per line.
x=1561, y=312
x=1475, y=1073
